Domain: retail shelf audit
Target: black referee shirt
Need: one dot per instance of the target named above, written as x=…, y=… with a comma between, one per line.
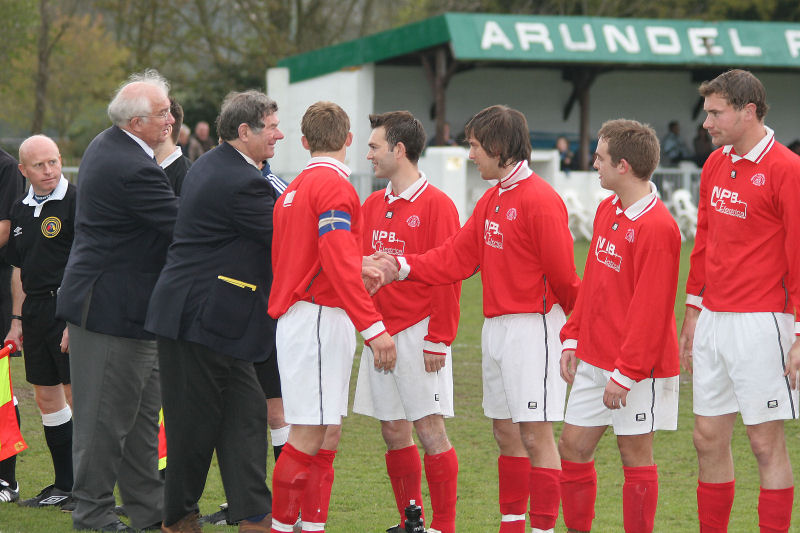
x=39, y=243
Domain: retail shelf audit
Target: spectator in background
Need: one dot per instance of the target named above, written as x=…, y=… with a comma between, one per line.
x=567, y=156
x=169, y=155
x=795, y=146
x=184, y=135
x=447, y=139
x=703, y=145
x=204, y=142
x=673, y=149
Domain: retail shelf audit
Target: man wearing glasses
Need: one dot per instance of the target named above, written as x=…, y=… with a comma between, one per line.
x=125, y=216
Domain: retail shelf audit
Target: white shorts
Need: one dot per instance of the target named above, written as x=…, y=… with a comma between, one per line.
x=738, y=361
x=315, y=346
x=521, y=378
x=651, y=403
x=408, y=392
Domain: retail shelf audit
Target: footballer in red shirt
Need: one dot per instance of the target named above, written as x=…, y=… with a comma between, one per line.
x=739, y=331
x=623, y=333
x=411, y=216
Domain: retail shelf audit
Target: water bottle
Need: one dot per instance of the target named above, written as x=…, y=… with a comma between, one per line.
x=414, y=518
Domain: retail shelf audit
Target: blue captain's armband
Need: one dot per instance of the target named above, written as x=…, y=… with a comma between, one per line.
x=333, y=220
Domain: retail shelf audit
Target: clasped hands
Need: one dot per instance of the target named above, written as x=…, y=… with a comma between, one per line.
x=377, y=270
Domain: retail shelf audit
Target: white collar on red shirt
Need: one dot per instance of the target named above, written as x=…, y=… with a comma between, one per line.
x=334, y=164
x=411, y=193
x=639, y=207
x=513, y=178
x=757, y=153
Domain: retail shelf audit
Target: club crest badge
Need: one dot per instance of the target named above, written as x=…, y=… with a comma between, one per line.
x=511, y=214
x=413, y=221
x=629, y=235
x=758, y=179
x=51, y=226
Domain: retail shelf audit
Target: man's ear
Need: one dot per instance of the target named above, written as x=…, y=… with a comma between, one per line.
x=349, y=140
x=304, y=142
x=399, y=150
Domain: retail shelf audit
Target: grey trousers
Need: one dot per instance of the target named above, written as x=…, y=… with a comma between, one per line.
x=116, y=399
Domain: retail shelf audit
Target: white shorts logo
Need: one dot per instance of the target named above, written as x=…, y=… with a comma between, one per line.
x=605, y=252
x=727, y=202
x=492, y=235
x=387, y=241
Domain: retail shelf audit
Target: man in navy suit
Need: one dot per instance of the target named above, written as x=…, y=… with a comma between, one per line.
x=124, y=219
x=209, y=312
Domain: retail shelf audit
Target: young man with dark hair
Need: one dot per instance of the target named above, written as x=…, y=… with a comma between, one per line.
x=623, y=332
x=518, y=237
x=738, y=334
x=42, y=229
x=318, y=297
x=169, y=155
x=411, y=216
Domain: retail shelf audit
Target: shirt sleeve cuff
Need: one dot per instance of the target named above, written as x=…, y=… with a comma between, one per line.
x=797, y=328
x=375, y=330
x=623, y=381
x=569, y=344
x=694, y=301
x=405, y=268
x=434, y=348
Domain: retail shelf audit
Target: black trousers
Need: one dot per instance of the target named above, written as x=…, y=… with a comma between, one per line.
x=212, y=402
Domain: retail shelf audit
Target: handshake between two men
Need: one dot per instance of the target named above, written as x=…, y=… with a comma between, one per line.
x=377, y=270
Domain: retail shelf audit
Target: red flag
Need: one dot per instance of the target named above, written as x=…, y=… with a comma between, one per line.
x=11, y=441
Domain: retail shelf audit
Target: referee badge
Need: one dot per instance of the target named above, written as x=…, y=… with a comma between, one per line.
x=51, y=226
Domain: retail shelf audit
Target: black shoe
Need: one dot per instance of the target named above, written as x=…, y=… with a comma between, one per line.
x=117, y=525
x=50, y=496
x=220, y=518
x=396, y=529
x=8, y=494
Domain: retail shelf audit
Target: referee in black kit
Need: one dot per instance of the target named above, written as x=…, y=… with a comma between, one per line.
x=38, y=246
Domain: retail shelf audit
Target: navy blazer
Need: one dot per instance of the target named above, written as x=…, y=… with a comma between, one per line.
x=124, y=219
x=215, y=285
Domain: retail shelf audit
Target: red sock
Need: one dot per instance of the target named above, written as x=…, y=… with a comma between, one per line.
x=513, y=474
x=640, y=498
x=405, y=473
x=714, y=502
x=317, y=495
x=545, y=490
x=578, y=494
x=775, y=510
x=441, y=471
x=289, y=480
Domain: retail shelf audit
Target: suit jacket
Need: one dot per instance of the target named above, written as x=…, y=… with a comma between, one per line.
x=124, y=219
x=214, y=288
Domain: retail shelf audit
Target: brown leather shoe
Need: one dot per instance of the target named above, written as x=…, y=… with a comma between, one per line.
x=264, y=526
x=188, y=524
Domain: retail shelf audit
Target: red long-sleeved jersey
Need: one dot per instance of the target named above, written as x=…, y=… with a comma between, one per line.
x=624, y=319
x=420, y=218
x=316, y=246
x=518, y=236
x=746, y=256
